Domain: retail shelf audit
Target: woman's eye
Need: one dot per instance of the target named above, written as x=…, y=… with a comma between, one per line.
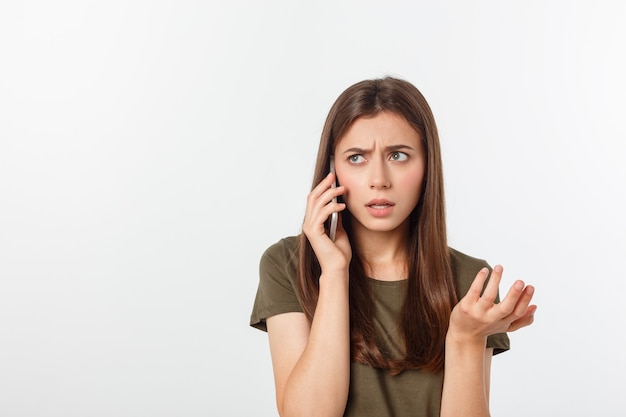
x=356, y=159
x=398, y=156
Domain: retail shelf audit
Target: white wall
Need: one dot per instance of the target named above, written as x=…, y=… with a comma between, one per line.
x=150, y=151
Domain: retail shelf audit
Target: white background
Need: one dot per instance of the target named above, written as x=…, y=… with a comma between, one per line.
x=151, y=150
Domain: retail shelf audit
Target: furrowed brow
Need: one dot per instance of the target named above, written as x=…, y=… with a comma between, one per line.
x=391, y=148
x=398, y=148
x=357, y=150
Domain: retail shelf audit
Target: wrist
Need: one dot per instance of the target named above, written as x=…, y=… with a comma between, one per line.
x=334, y=278
x=466, y=340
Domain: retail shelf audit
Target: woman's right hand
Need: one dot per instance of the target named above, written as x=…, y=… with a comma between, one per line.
x=332, y=256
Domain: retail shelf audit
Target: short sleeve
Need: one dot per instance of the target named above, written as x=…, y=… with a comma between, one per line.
x=465, y=268
x=277, y=289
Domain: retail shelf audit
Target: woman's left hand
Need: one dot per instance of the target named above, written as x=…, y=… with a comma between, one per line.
x=477, y=316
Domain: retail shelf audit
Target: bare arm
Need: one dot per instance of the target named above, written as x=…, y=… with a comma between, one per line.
x=468, y=363
x=312, y=363
x=466, y=380
x=312, y=369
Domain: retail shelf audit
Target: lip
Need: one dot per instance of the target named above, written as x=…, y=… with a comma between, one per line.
x=380, y=207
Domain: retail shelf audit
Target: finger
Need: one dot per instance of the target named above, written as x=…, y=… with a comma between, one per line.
x=331, y=193
x=319, y=198
x=511, y=300
x=317, y=218
x=478, y=283
x=491, y=290
x=526, y=320
x=330, y=208
x=523, y=301
x=324, y=185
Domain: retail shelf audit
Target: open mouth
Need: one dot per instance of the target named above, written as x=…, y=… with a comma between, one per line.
x=380, y=204
x=380, y=208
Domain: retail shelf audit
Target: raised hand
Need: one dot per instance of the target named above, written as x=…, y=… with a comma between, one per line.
x=331, y=255
x=478, y=316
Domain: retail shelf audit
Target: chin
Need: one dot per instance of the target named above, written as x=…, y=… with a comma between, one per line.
x=380, y=226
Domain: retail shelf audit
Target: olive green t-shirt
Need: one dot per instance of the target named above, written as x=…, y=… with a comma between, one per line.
x=373, y=392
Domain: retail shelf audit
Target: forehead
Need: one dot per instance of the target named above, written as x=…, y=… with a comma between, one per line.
x=383, y=129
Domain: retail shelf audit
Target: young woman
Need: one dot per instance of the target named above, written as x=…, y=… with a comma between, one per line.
x=386, y=320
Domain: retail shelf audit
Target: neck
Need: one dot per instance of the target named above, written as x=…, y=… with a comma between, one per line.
x=384, y=254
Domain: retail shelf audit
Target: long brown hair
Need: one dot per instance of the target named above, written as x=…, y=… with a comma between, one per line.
x=431, y=292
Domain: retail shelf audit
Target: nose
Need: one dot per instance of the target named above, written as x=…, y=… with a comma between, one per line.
x=378, y=175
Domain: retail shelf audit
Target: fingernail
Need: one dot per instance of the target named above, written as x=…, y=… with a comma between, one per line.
x=519, y=285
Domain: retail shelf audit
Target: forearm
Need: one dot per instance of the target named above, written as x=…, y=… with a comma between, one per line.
x=318, y=385
x=464, y=386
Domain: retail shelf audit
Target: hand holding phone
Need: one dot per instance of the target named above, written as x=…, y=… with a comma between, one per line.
x=333, y=217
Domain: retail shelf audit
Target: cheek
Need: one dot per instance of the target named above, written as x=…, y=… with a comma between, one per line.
x=350, y=183
x=413, y=182
x=346, y=182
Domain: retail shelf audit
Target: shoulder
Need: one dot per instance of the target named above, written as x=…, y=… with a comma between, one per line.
x=464, y=269
x=279, y=262
x=462, y=261
x=277, y=289
x=281, y=253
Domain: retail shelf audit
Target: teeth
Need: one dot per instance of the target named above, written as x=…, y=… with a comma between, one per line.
x=376, y=206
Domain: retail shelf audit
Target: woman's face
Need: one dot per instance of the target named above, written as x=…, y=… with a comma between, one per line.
x=381, y=162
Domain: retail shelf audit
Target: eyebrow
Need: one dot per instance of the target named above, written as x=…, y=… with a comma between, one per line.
x=391, y=148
